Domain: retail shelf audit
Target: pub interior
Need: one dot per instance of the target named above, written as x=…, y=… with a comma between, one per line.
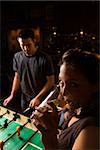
x=58, y=26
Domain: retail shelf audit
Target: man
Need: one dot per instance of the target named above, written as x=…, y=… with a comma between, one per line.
x=34, y=72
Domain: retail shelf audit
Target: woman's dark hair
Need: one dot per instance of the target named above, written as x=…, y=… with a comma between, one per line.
x=86, y=61
x=26, y=33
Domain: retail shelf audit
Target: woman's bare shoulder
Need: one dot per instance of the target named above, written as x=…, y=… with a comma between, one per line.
x=87, y=139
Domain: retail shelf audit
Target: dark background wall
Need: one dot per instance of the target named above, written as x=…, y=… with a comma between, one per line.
x=67, y=16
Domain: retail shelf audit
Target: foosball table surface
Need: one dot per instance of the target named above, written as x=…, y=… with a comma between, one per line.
x=24, y=141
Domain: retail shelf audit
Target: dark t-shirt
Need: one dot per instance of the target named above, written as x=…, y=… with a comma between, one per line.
x=33, y=71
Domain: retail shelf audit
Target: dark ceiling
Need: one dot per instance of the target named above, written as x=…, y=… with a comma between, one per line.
x=69, y=16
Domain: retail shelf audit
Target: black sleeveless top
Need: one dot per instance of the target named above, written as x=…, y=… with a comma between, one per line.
x=69, y=134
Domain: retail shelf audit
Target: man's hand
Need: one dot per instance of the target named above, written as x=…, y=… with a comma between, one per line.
x=34, y=102
x=7, y=100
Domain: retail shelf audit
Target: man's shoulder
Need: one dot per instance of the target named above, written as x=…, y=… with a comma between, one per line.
x=41, y=52
x=19, y=56
x=44, y=54
x=20, y=53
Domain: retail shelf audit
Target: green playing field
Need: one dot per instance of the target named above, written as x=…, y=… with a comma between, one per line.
x=19, y=142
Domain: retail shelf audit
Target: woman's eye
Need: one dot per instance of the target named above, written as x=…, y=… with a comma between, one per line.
x=73, y=84
x=68, y=85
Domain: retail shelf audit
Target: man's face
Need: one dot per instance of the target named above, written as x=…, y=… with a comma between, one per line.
x=27, y=45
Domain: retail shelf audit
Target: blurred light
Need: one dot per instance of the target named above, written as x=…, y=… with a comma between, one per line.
x=75, y=38
x=81, y=32
x=54, y=33
x=54, y=28
x=59, y=52
x=93, y=37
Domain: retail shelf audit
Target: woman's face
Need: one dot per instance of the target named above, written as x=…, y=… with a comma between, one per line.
x=75, y=87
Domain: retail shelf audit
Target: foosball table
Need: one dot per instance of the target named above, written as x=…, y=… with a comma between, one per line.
x=17, y=132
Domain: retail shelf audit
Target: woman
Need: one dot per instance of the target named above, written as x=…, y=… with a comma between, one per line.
x=79, y=78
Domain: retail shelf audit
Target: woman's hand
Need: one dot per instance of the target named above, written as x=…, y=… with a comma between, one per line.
x=47, y=123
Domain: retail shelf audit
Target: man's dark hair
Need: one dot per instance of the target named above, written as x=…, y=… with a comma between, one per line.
x=26, y=33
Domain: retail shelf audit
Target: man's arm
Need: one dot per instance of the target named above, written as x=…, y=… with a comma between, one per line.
x=49, y=84
x=15, y=87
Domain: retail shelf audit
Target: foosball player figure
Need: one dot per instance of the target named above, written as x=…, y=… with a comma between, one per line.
x=18, y=130
x=1, y=144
